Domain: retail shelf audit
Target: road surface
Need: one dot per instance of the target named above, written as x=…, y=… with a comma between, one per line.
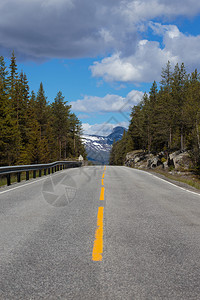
x=58, y=240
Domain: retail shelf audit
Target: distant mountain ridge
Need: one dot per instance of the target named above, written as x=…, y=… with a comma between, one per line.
x=98, y=147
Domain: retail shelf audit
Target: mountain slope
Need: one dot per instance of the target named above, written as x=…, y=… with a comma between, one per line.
x=98, y=147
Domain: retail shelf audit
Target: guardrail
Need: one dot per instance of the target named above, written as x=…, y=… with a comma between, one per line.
x=48, y=169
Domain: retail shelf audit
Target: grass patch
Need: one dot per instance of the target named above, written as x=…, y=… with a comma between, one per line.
x=192, y=180
x=3, y=178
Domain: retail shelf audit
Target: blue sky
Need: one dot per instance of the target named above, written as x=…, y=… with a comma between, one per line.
x=103, y=55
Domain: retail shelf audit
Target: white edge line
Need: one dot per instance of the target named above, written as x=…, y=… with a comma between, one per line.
x=29, y=183
x=177, y=186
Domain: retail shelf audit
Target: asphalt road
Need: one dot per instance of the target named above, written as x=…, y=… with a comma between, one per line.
x=58, y=240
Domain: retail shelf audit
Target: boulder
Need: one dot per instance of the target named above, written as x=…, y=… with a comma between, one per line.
x=135, y=158
x=154, y=162
x=140, y=159
x=180, y=160
x=165, y=165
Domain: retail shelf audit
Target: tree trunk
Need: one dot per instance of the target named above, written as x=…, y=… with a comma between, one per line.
x=65, y=152
x=170, y=137
x=182, y=144
x=60, y=149
x=74, y=146
x=149, y=141
x=197, y=130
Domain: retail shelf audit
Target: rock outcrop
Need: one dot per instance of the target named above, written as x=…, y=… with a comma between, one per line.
x=179, y=161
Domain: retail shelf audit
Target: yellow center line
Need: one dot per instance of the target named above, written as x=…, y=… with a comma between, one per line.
x=98, y=242
x=102, y=194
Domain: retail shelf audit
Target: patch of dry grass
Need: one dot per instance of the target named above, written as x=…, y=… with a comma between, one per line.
x=3, y=179
x=191, y=179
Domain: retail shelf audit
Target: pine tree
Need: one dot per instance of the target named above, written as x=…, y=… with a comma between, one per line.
x=112, y=154
x=13, y=88
x=147, y=123
x=166, y=75
x=61, y=123
x=179, y=83
x=30, y=129
x=3, y=75
x=192, y=117
x=36, y=149
x=75, y=130
x=136, y=127
x=13, y=73
x=22, y=94
x=42, y=112
x=9, y=132
x=167, y=100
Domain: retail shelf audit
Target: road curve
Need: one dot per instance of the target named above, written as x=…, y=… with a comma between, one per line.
x=99, y=233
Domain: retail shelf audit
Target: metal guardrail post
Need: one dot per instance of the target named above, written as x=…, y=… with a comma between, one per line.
x=8, y=179
x=19, y=177
x=7, y=171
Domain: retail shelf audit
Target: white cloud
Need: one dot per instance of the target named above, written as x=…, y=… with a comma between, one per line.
x=145, y=64
x=140, y=10
x=108, y=103
x=102, y=129
x=171, y=30
x=83, y=116
x=41, y=29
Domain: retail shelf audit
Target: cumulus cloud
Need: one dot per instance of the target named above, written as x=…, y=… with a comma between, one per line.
x=140, y=10
x=145, y=64
x=108, y=103
x=72, y=28
x=42, y=29
x=102, y=129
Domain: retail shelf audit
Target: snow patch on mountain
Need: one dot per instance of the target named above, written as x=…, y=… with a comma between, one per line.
x=98, y=147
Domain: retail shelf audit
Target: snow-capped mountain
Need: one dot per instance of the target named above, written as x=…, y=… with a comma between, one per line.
x=98, y=147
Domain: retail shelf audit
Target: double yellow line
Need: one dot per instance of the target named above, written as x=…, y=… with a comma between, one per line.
x=98, y=242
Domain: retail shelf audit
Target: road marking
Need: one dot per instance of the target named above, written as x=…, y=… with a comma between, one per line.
x=17, y=187
x=34, y=181
x=98, y=242
x=104, y=168
x=103, y=175
x=177, y=186
x=102, y=194
x=102, y=182
x=164, y=180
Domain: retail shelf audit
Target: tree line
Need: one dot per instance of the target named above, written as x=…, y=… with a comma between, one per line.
x=31, y=129
x=167, y=118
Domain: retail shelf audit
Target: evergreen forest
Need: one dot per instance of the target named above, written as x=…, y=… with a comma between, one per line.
x=167, y=118
x=32, y=130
